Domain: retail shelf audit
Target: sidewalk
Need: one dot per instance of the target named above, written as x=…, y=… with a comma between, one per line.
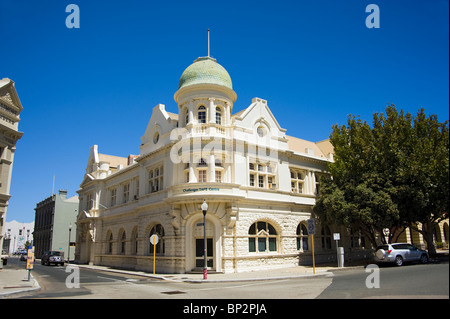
x=14, y=281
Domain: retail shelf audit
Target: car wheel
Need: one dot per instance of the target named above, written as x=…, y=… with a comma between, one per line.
x=399, y=261
x=424, y=259
x=380, y=254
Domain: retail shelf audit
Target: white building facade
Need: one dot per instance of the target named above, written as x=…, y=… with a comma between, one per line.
x=259, y=183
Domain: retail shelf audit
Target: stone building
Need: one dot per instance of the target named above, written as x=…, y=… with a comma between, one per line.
x=259, y=183
x=10, y=108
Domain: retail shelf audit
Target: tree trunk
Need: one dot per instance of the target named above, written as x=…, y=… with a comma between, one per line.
x=428, y=237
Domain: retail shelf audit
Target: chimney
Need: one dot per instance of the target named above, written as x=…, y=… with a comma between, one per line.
x=63, y=193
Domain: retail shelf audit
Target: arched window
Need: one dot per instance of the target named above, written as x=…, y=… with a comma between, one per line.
x=357, y=239
x=302, y=237
x=218, y=115
x=186, y=117
x=123, y=239
x=160, y=246
x=262, y=237
x=110, y=244
x=201, y=115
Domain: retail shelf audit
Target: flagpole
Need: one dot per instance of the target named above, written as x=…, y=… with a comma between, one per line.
x=208, y=43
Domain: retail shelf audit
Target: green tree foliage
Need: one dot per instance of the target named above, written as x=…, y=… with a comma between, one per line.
x=391, y=175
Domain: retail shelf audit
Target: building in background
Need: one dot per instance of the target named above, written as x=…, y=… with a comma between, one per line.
x=55, y=219
x=10, y=108
x=16, y=235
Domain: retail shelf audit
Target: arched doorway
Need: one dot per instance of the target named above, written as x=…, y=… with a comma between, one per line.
x=195, y=243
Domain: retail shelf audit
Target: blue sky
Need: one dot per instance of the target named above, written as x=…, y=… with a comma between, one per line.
x=315, y=62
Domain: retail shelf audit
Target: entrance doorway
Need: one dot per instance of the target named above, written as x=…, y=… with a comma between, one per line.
x=199, y=251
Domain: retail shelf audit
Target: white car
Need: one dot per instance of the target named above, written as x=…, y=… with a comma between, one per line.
x=399, y=253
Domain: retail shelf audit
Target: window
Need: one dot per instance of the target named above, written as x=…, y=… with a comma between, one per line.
x=122, y=243
x=202, y=163
x=218, y=176
x=264, y=174
x=260, y=181
x=156, y=138
x=155, y=179
x=357, y=239
x=186, y=116
x=126, y=193
x=297, y=181
x=136, y=188
x=302, y=237
x=160, y=246
x=202, y=176
x=110, y=244
x=260, y=131
x=252, y=179
x=201, y=115
x=262, y=237
x=113, y=196
x=89, y=201
x=218, y=116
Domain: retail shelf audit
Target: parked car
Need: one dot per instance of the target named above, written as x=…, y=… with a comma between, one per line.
x=4, y=258
x=23, y=256
x=52, y=257
x=399, y=253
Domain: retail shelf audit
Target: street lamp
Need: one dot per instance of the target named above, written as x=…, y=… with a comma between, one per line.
x=68, y=251
x=205, y=268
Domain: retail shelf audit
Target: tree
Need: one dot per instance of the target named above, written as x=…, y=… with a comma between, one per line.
x=391, y=175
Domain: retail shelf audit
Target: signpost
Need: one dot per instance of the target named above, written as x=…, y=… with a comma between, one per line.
x=337, y=237
x=154, y=241
x=311, y=232
x=30, y=260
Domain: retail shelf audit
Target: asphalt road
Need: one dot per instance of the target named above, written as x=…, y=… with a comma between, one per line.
x=409, y=281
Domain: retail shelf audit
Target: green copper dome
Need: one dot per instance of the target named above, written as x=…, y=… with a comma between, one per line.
x=205, y=70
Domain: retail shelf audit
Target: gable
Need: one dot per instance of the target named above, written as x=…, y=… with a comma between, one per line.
x=158, y=130
x=258, y=114
x=9, y=97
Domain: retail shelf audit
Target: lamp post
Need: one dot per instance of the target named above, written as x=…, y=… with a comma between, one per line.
x=68, y=250
x=205, y=268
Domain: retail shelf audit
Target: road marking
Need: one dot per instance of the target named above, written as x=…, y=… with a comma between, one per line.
x=239, y=286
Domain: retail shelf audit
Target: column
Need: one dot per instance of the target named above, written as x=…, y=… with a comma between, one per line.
x=192, y=177
x=191, y=112
x=212, y=111
x=212, y=168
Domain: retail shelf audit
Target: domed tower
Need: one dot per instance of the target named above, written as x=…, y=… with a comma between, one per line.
x=205, y=95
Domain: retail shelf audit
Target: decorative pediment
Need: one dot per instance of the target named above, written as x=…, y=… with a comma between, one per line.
x=9, y=97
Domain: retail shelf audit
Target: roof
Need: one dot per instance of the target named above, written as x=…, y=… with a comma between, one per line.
x=205, y=70
x=319, y=149
x=114, y=161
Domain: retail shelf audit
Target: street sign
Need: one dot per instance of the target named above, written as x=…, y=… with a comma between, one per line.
x=30, y=258
x=337, y=236
x=311, y=227
x=154, y=239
